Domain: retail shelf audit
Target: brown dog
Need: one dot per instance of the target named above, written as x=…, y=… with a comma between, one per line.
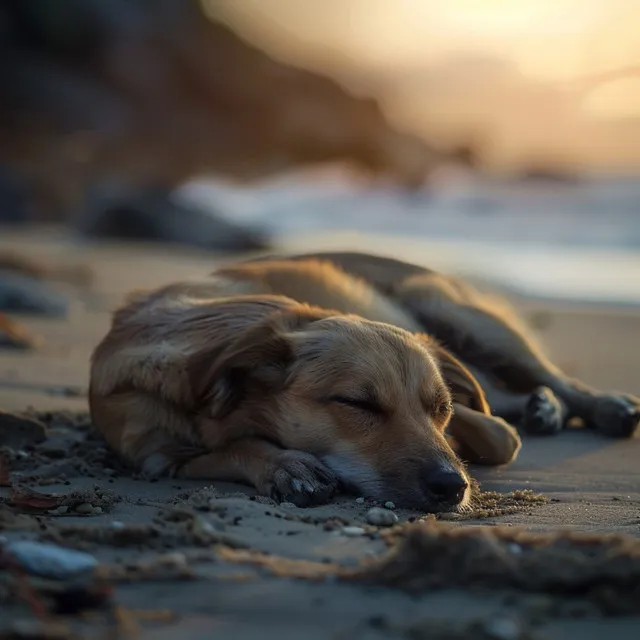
x=235, y=377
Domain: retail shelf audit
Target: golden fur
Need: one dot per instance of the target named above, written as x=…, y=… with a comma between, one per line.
x=300, y=374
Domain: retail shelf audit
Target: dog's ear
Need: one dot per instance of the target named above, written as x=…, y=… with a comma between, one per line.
x=256, y=362
x=466, y=390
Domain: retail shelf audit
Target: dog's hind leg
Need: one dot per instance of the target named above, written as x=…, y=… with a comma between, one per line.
x=487, y=335
x=283, y=474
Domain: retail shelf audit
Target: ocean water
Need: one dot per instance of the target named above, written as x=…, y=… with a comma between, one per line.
x=578, y=242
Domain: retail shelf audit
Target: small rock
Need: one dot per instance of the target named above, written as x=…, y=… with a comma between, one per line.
x=449, y=515
x=360, y=500
x=389, y=505
x=85, y=509
x=50, y=561
x=353, y=532
x=381, y=517
x=97, y=511
x=23, y=294
x=288, y=505
x=173, y=559
x=17, y=431
x=117, y=525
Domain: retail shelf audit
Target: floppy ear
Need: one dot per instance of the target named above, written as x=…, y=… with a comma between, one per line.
x=257, y=362
x=466, y=390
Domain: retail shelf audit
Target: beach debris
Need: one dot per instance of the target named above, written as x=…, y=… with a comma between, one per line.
x=87, y=502
x=380, y=517
x=15, y=336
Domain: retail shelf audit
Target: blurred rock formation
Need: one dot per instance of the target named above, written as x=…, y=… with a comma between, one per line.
x=153, y=92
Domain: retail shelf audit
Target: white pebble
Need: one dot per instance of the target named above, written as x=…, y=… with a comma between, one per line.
x=50, y=561
x=515, y=548
x=389, y=505
x=381, y=517
x=353, y=532
x=360, y=500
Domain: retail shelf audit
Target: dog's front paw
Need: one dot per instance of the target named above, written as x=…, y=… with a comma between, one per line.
x=616, y=416
x=543, y=414
x=299, y=478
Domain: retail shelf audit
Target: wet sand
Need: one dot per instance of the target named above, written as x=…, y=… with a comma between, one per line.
x=592, y=484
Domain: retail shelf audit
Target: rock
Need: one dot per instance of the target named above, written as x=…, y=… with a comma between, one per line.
x=152, y=214
x=360, y=500
x=85, y=509
x=381, y=517
x=15, y=336
x=49, y=561
x=389, y=505
x=24, y=294
x=353, y=532
x=17, y=431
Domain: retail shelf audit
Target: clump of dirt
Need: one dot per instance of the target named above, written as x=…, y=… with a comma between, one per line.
x=491, y=504
x=602, y=568
x=183, y=530
x=70, y=448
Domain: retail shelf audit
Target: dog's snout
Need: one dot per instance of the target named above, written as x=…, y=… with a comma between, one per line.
x=445, y=485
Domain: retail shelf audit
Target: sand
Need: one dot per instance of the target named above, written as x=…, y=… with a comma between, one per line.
x=185, y=556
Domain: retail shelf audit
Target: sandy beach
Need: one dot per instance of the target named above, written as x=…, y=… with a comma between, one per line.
x=589, y=484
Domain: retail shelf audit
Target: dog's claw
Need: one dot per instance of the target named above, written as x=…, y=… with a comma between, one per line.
x=543, y=414
x=300, y=478
x=616, y=416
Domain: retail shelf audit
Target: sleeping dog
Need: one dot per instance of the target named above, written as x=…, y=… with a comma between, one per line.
x=304, y=374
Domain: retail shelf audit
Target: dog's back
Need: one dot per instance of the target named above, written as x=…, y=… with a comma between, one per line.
x=319, y=283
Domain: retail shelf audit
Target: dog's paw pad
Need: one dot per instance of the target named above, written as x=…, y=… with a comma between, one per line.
x=616, y=416
x=302, y=479
x=543, y=414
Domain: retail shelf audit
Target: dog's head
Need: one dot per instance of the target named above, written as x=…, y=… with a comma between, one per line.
x=368, y=399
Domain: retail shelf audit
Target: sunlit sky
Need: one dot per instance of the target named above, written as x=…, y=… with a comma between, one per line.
x=547, y=41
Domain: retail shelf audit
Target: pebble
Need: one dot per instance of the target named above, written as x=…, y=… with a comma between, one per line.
x=360, y=500
x=50, y=561
x=381, y=517
x=389, y=505
x=117, y=525
x=353, y=532
x=288, y=505
x=85, y=509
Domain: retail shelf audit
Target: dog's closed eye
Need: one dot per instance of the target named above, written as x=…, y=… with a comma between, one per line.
x=362, y=404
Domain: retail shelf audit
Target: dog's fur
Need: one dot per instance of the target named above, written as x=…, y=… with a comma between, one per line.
x=294, y=375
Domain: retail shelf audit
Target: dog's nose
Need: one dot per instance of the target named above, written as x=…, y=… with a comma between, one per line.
x=444, y=485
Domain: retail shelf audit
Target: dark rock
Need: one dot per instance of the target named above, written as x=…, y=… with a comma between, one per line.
x=23, y=294
x=16, y=432
x=152, y=214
